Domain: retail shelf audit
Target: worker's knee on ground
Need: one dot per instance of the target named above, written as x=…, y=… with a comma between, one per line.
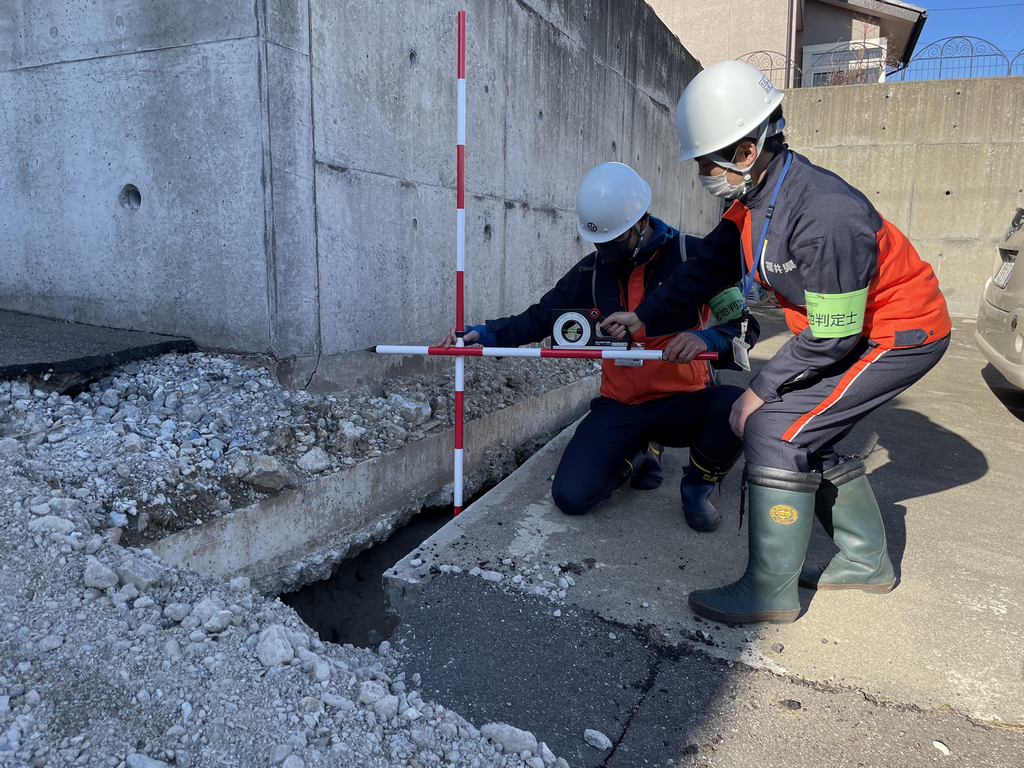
x=568, y=499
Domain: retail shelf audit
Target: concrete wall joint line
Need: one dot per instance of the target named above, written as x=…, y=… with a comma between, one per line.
x=285, y=47
x=534, y=12
x=316, y=212
x=201, y=44
x=269, y=237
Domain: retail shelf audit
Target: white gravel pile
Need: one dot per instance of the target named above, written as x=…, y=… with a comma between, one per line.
x=158, y=446
x=109, y=657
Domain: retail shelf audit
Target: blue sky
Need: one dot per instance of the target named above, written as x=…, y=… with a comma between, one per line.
x=1002, y=26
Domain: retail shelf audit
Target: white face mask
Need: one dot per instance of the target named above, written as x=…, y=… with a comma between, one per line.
x=719, y=186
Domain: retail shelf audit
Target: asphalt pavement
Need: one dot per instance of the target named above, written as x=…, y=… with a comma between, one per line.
x=37, y=345
x=931, y=674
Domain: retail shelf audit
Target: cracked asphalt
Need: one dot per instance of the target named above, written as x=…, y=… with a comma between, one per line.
x=497, y=656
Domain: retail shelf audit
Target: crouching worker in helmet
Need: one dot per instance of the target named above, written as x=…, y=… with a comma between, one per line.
x=868, y=321
x=641, y=407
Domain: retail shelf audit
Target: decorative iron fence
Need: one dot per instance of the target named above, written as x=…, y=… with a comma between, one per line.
x=957, y=57
x=868, y=62
x=781, y=70
x=1017, y=65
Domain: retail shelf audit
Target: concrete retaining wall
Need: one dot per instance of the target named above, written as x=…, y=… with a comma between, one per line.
x=298, y=537
x=941, y=159
x=296, y=163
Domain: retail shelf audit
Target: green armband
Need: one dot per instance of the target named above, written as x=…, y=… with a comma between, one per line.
x=728, y=305
x=835, y=315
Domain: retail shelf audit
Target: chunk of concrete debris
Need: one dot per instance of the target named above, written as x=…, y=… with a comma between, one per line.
x=217, y=623
x=314, y=461
x=597, y=739
x=273, y=647
x=414, y=412
x=138, y=572
x=512, y=739
x=386, y=707
x=141, y=761
x=371, y=691
x=266, y=472
x=98, y=576
x=51, y=523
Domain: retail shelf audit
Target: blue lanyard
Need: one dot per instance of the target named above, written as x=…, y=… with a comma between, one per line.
x=748, y=277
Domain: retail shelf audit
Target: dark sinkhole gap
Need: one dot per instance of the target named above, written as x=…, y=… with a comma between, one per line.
x=350, y=607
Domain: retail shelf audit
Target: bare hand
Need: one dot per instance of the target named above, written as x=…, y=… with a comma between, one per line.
x=451, y=339
x=747, y=403
x=684, y=347
x=617, y=324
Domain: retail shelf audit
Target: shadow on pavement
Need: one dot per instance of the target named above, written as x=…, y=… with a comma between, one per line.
x=500, y=657
x=1010, y=396
x=924, y=459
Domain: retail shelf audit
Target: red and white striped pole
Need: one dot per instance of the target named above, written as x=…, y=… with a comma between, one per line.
x=460, y=255
x=559, y=353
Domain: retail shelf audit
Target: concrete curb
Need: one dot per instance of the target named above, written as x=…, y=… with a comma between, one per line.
x=297, y=537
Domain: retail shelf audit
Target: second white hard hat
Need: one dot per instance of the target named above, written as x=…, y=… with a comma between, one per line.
x=724, y=103
x=612, y=198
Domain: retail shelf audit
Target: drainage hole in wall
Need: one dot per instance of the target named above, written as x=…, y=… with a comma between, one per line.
x=412, y=58
x=949, y=192
x=350, y=607
x=130, y=197
x=487, y=231
x=415, y=223
x=613, y=146
x=540, y=115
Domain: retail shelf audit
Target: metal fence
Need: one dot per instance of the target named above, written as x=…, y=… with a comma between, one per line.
x=781, y=70
x=960, y=56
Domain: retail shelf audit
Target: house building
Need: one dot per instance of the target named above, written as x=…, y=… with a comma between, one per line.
x=800, y=42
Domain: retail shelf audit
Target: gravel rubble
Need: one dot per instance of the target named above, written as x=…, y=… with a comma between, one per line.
x=110, y=657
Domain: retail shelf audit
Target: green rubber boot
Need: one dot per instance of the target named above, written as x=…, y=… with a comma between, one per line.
x=847, y=509
x=781, y=514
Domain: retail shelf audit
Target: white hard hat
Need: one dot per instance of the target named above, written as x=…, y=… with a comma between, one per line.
x=726, y=102
x=612, y=198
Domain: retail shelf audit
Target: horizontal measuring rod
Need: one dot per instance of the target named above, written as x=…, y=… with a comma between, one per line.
x=594, y=353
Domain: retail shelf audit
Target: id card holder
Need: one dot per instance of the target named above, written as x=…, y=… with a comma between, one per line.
x=740, y=346
x=739, y=353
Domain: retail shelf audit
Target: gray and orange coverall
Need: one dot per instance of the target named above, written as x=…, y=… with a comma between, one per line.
x=867, y=314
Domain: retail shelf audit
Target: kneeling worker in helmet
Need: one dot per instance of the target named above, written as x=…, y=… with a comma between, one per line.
x=868, y=318
x=642, y=407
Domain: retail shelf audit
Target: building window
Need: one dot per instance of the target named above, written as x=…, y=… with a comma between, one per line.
x=862, y=61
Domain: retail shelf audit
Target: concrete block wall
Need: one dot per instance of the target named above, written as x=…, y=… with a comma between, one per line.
x=294, y=161
x=940, y=159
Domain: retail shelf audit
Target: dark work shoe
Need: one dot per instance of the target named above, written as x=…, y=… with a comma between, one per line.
x=695, y=488
x=647, y=473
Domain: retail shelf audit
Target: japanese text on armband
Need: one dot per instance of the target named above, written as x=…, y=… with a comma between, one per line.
x=835, y=315
x=728, y=305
